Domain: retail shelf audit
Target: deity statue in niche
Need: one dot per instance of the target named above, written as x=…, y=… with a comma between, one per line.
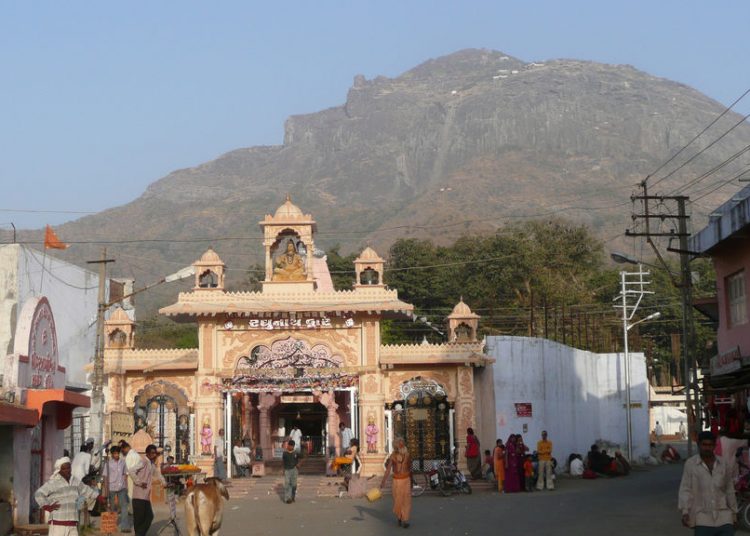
x=289, y=265
x=207, y=436
x=371, y=432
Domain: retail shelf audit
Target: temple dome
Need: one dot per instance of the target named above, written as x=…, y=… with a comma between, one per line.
x=210, y=257
x=119, y=315
x=461, y=310
x=369, y=254
x=288, y=210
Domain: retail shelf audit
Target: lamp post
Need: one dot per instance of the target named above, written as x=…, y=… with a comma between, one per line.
x=683, y=284
x=632, y=284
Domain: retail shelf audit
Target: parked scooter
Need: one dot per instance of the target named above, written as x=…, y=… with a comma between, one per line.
x=448, y=478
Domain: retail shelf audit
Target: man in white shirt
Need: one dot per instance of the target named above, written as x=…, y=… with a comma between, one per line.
x=658, y=432
x=81, y=465
x=707, y=498
x=60, y=496
x=296, y=436
x=220, y=468
x=241, y=458
x=346, y=437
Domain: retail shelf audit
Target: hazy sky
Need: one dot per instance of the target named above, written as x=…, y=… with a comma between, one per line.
x=99, y=99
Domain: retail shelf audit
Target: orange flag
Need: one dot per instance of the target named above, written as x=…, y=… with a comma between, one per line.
x=51, y=241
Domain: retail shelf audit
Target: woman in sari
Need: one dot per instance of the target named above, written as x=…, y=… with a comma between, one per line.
x=399, y=464
x=512, y=464
x=498, y=456
x=473, y=458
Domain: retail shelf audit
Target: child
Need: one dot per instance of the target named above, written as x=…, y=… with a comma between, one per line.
x=488, y=467
x=528, y=473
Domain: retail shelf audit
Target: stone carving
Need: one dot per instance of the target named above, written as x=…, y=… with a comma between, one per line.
x=465, y=381
x=371, y=385
x=289, y=265
x=371, y=432
x=288, y=353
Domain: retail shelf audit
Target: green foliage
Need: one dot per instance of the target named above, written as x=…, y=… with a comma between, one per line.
x=341, y=268
x=163, y=333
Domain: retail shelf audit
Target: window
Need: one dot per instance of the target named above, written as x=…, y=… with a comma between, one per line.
x=736, y=298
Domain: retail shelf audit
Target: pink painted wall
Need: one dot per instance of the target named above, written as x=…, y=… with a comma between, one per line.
x=727, y=261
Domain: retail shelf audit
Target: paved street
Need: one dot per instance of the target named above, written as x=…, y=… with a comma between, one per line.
x=641, y=504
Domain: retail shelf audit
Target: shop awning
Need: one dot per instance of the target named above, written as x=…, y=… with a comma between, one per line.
x=11, y=414
x=64, y=400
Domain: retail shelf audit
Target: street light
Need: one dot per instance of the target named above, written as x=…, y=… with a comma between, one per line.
x=632, y=284
x=683, y=285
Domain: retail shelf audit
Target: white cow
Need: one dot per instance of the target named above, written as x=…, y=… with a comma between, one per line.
x=204, y=508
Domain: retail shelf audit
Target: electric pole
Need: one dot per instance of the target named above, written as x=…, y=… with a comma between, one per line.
x=665, y=213
x=96, y=419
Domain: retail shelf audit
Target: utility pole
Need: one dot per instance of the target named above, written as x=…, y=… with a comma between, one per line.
x=684, y=283
x=96, y=419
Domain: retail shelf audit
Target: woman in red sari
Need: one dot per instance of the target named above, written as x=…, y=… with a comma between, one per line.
x=473, y=459
x=521, y=451
x=512, y=465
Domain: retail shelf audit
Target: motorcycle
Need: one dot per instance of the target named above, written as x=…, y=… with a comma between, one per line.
x=448, y=478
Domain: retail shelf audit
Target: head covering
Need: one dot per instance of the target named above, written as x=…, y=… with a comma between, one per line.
x=59, y=463
x=89, y=440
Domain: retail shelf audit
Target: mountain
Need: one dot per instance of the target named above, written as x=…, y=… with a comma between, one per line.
x=458, y=144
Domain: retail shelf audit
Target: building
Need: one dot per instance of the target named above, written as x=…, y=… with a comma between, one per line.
x=47, y=308
x=726, y=240
x=297, y=352
x=577, y=396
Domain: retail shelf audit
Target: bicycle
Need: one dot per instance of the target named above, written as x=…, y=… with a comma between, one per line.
x=419, y=483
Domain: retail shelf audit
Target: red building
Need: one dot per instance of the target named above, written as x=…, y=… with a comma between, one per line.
x=726, y=239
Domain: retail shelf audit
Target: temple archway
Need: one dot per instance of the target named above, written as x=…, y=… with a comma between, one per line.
x=423, y=418
x=162, y=409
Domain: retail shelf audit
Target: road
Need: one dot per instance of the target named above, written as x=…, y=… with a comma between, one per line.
x=643, y=503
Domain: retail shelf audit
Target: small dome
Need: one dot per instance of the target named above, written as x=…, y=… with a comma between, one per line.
x=119, y=316
x=288, y=210
x=461, y=310
x=369, y=254
x=210, y=257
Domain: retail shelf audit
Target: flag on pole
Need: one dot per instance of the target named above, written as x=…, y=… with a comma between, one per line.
x=51, y=241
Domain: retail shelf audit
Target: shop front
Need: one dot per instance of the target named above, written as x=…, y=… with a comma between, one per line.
x=37, y=409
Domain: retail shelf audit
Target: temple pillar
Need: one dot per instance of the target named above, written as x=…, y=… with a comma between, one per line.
x=372, y=404
x=465, y=412
x=328, y=399
x=247, y=425
x=266, y=402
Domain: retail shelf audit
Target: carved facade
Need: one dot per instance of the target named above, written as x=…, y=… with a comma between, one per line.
x=294, y=354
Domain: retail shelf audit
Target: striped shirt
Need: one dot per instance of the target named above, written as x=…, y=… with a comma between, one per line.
x=65, y=493
x=116, y=472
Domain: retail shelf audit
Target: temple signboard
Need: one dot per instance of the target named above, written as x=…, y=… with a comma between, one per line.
x=289, y=323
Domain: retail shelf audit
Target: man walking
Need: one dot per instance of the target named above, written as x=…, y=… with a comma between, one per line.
x=291, y=460
x=142, y=477
x=707, y=498
x=658, y=432
x=544, y=455
x=59, y=497
x=220, y=468
x=117, y=487
x=296, y=436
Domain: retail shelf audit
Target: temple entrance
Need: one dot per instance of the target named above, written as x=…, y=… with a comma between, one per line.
x=424, y=418
x=311, y=418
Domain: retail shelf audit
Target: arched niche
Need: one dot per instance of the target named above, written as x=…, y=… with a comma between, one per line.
x=208, y=279
x=118, y=339
x=422, y=417
x=162, y=408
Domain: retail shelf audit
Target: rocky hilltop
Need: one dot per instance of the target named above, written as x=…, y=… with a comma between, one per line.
x=458, y=144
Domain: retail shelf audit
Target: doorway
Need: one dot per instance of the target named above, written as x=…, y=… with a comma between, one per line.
x=311, y=418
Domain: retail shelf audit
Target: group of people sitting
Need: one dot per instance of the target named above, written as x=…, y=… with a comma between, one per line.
x=598, y=462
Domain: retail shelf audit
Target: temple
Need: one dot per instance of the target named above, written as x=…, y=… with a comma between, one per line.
x=297, y=352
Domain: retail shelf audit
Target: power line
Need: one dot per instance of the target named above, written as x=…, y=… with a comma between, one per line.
x=712, y=123
x=735, y=156
x=706, y=148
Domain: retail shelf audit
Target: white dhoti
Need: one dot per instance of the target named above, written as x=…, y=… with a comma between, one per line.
x=60, y=530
